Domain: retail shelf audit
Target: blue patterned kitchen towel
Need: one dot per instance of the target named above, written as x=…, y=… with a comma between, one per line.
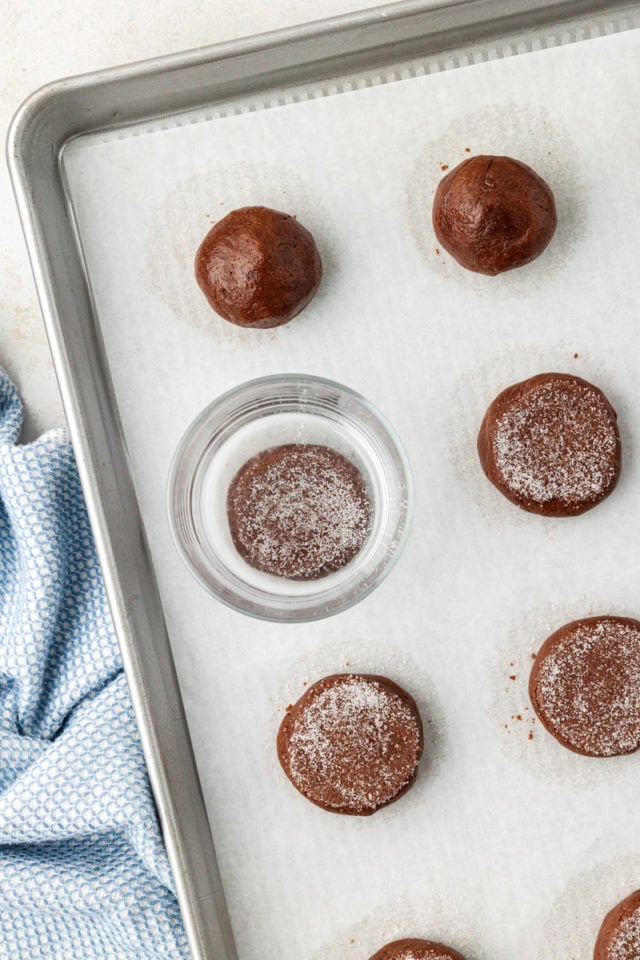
x=83, y=871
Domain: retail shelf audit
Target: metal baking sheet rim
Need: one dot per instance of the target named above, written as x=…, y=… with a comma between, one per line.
x=121, y=96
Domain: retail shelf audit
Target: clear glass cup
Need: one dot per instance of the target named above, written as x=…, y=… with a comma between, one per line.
x=253, y=417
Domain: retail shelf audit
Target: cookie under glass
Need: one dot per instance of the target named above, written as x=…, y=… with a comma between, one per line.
x=266, y=413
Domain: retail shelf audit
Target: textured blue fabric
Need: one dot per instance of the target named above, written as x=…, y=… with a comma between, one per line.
x=83, y=871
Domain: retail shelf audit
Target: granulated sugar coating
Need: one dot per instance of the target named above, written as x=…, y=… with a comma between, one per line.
x=551, y=445
x=352, y=743
x=299, y=511
x=416, y=950
x=619, y=936
x=585, y=686
x=626, y=943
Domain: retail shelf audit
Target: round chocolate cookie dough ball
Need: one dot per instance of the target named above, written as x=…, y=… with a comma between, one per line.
x=416, y=950
x=551, y=445
x=585, y=686
x=352, y=743
x=299, y=511
x=493, y=214
x=258, y=267
x=619, y=936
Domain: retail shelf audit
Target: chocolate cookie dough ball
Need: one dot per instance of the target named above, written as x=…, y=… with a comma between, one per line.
x=258, y=267
x=493, y=214
x=352, y=743
x=299, y=511
x=619, y=937
x=585, y=686
x=416, y=950
x=551, y=445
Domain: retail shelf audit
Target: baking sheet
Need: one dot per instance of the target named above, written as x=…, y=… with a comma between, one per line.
x=506, y=845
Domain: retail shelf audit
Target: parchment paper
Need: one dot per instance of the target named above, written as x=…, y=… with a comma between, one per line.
x=507, y=846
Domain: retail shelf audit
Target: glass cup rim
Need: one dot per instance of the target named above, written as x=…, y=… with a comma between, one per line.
x=303, y=609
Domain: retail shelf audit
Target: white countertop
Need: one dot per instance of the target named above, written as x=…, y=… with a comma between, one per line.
x=43, y=41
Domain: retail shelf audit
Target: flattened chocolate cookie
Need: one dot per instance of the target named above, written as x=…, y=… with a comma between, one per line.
x=258, y=267
x=493, y=214
x=416, y=950
x=619, y=937
x=299, y=511
x=551, y=445
x=585, y=686
x=352, y=743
